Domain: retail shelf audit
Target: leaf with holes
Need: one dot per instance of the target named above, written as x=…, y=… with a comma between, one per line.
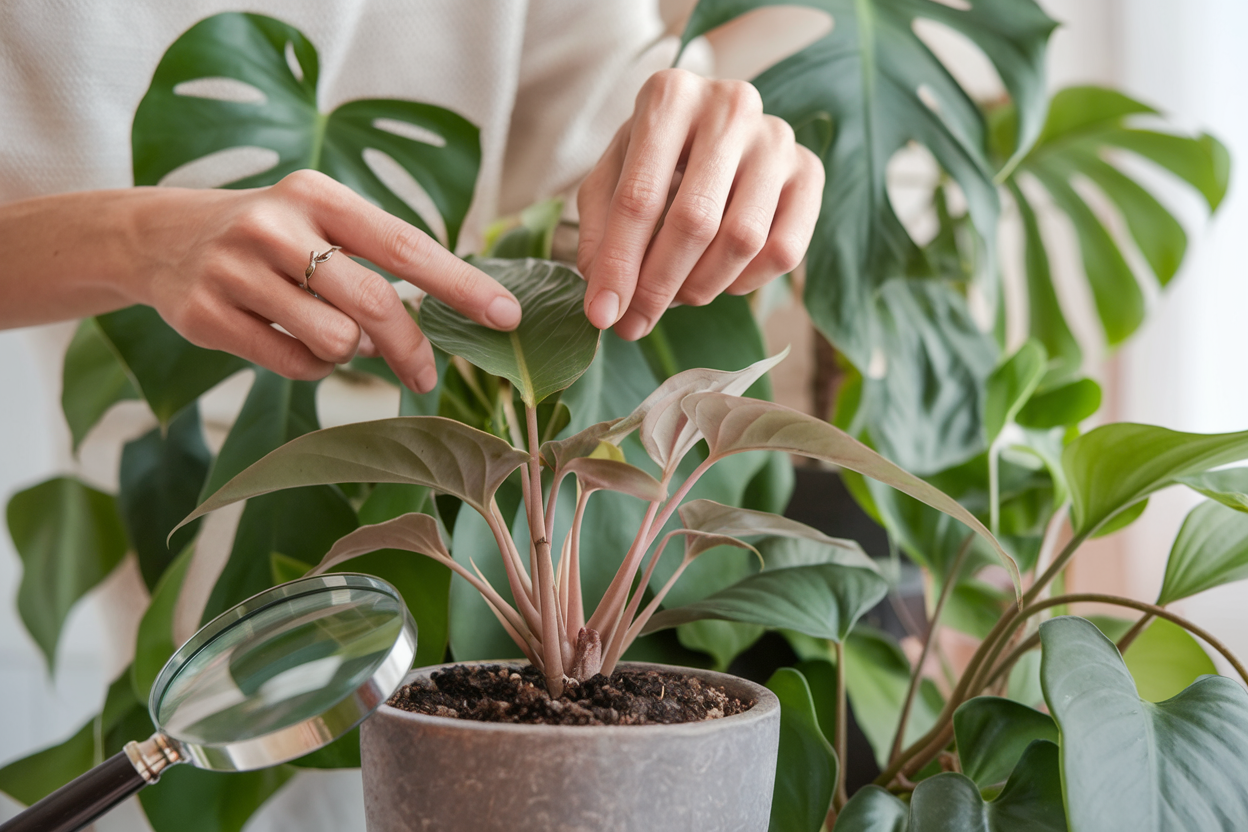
x=551, y=348
x=873, y=78
x=362, y=144
x=1084, y=140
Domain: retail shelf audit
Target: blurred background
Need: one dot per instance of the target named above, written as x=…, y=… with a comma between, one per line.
x=1184, y=370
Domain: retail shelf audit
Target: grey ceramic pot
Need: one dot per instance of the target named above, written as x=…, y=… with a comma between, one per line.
x=437, y=774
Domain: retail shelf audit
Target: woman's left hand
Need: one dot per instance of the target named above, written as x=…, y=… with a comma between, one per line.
x=746, y=199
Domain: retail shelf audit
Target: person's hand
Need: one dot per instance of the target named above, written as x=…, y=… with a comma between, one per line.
x=224, y=265
x=744, y=209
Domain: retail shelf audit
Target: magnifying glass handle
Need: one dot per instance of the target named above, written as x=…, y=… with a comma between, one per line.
x=79, y=802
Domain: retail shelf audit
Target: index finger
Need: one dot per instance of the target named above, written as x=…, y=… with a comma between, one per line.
x=654, y=151
x=346, y=219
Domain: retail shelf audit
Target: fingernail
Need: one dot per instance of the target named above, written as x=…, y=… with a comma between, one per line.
x=427, y=379
x=604, y=309
x=503, y=312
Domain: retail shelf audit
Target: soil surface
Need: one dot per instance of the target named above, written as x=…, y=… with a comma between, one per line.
x=493, y=693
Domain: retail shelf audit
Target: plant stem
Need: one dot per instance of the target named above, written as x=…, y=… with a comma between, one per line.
x=1055, y=568
x=946, y=590
x=552, y=638
x=576, y=600
x=994, y=490
x=1132, y=634
x=842, y=729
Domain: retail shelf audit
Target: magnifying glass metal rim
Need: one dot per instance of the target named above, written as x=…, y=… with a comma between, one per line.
x=301, y=737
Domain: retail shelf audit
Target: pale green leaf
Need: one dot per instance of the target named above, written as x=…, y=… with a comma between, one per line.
x=1011, y=385
x=1116, y=466
x=1211, y=549
x=1173, y=765
x=1229, y=487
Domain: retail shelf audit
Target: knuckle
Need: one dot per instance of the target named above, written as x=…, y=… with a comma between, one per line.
x=374, y=298
x=787, y=252
x=692, y=296
x=811, y=165
x=746, y=235
x=668, y=81
x=406, y=246
x=781, y=131
x=339, y=340
x=696, y=216
x=639, y=198
x=741, y=98
x=301, y=184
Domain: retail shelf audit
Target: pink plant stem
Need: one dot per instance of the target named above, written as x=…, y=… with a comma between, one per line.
x=575, y=604
x=552, y=638
x=619, y=635
x=523, y=601
x=553, y=500
x=480, y=584
x=640, y=622
x=612, y=603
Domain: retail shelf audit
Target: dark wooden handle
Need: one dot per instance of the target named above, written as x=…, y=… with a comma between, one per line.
x=81, y=801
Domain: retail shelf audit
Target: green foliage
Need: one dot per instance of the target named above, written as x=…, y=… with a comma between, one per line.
x=1087, y=131
x=1010, y=387
x=161, y=476
x=69, y=537
x=1229, y=487
x=992, y=734
x=550, y=349
x=1114, y=467
x=443, y=158
x=154, y=644
x=1128, y=764
x=169, y=371
x=92, y=381
x=874, y=86
x=806, y=768
x=1165, y=659
x=1210, y=550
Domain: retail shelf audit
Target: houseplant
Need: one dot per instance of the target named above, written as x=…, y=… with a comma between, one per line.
x=814, y=585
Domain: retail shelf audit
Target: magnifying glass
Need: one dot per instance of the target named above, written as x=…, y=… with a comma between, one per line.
x=280, y=675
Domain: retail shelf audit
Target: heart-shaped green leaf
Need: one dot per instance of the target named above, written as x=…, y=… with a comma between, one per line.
x=992, y=734
x=423, y=450
x=276, y=411
x=1228, y=487
x=93, y=379
x=69, y=537
x=168, y=370
x=1062, y=406
x=806, y=768
x=872, y=809
x=1011, y=385
x=551, y=348
x=732, y=425
x=177, y=123
x=1177, y=764
x=1210, y=550
x=1030, y=802
x=161, y=476
x=823, y=601
x=1116, y=466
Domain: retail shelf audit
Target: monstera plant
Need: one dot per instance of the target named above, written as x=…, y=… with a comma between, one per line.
x=70, y=535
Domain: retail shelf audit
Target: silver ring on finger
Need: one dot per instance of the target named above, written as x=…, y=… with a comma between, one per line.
x=314, y=260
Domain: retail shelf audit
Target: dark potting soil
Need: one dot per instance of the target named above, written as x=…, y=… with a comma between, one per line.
x=493, y=693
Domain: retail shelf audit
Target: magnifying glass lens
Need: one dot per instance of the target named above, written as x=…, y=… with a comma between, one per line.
x=281, y=665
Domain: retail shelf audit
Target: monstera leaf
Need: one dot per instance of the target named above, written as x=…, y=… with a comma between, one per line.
x=182, y=119
x=1085, y=135
x=857, y=96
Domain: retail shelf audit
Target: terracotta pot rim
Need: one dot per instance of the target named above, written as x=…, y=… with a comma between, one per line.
x=765, y=703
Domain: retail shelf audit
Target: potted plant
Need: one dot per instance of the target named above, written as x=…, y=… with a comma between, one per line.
x=418, y=768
